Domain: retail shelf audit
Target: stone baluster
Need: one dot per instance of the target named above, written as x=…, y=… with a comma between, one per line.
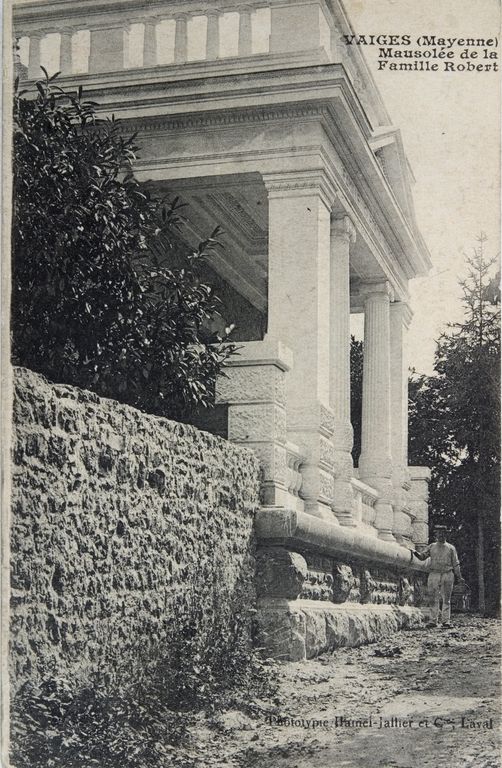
x=65, y=51
x=181, y=39
x=34, y=71
x=245, y=32
x=375, y=463
x=150, y=43
x=342, y=234
x=213, y=34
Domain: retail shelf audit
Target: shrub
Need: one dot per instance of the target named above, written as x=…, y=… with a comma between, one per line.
x=139, y=713
x=105, y=295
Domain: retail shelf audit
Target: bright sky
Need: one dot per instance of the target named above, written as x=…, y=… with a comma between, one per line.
x=450, y=124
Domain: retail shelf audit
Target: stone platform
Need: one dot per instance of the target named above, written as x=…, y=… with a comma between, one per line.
x=293, y=630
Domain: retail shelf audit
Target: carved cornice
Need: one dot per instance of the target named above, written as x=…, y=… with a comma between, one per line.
x=229, y=117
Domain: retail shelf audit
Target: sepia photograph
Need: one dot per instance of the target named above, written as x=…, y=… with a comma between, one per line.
x=250, y=384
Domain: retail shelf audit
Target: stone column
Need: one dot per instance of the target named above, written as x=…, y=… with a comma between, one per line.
x=34, y=71
x=298, y=315
x=400, y=318
x=245, y=34
x=65, y=52
x=375, y=463
x=180, y=39
x=213, y=34
x=150, y=43
x=107, y=49
x=342, y=234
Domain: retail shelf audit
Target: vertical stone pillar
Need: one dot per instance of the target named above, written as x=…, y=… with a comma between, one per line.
x=107, y=49
x=375, y=463
x=150, y=43
x=342, y=234
x=65, y=52
x=253, y=388
x=34, y=70
x=418, y=502
x=181, y=39
x=298, y=315
x=245, y=34
x=400, y=318
x=213, y=34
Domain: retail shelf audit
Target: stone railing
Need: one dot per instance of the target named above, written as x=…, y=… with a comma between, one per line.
x=101, y=36
x=130, y=35
x=363, y=508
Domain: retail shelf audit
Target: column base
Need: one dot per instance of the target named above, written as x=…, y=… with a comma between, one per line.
x=320, y=510
x=345, y=519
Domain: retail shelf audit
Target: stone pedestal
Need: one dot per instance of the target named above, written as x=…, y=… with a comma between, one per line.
x=298, y=315
x=375, y=463
x=253, y=388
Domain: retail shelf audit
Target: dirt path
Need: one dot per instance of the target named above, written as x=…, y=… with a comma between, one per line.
x=444, y=684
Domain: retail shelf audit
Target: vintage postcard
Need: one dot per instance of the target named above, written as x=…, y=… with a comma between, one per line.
x=250, y=372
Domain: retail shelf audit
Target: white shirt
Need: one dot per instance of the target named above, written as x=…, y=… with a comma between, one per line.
x=443, y=557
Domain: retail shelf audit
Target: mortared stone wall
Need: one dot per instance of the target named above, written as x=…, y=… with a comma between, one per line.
x=117, y=517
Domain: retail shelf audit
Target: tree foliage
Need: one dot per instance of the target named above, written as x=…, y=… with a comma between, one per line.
x=356, y=394
x=455, y=426
x=106, y=296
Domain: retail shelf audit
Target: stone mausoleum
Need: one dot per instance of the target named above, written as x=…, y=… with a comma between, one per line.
x=265, y=122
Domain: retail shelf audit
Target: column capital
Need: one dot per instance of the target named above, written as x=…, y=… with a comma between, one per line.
x=343, y=226
x=378, y=290
x=404, y=309
x=300, y=183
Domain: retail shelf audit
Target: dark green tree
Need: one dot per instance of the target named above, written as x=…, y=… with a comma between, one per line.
x=455, y=426
x=106, y=295
x=356, y=394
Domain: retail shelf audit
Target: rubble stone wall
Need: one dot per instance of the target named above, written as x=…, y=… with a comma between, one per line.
x=117, y=516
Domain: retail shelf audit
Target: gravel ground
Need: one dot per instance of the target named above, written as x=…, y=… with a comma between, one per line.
x=432, y=694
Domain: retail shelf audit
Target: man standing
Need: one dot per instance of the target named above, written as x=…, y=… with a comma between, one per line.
x=444, y=565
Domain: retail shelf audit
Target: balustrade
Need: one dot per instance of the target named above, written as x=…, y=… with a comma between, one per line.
x=111, y=45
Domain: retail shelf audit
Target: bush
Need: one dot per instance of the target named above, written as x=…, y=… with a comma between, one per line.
x=106, y=296
x=138, y=715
